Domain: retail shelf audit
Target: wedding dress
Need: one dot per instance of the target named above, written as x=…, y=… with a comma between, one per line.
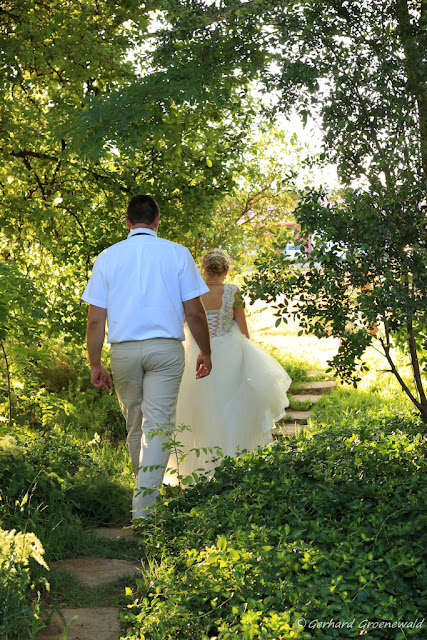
x=234, y=408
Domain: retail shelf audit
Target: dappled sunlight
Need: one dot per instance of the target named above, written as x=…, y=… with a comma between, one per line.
x=377, y=381
x=309, y=348
x=285, y=338
x=378, y=389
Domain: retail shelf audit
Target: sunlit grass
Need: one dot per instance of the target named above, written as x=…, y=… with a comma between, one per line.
x=307, y=349
x=378, y=390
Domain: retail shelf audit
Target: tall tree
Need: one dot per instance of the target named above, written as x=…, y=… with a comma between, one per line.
x=65, y=186
x=52, y=56
x=358, y=66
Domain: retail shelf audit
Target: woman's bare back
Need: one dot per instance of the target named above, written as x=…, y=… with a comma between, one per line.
x=212, y=300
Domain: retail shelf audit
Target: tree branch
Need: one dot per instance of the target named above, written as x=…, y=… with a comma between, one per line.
x=9, y=393
x=26, y=153
x=386, y=348
x=413, y=349
x=37, y=177
x=251, y=200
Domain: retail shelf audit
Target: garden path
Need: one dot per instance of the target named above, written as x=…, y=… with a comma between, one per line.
x=100, y=623
x=308, y=393
x=103, y=623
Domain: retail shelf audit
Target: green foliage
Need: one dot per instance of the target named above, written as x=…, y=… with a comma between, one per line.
x=358, y=67
x=51, y=387
x=84, y=126
x=318, y=528
x=60, y=479
x=18, y=616
x=377, y=394
x=262, y=201
x=20, y=304
x=50, y=63
x=365, y=279
x=55, y=488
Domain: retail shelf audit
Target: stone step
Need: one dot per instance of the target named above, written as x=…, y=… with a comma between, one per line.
x=296, y=416
x=306, y=397
x=116, y=533
x=316, y=387
x=90, y=624
x=286, y=429
x=95, y=572
x=293, y=424
x=313, y=373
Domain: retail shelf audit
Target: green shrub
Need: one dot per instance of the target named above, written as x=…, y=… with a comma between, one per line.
x=100, y=501
x=112, y=425
x=322, y=528
x=56, y=483
x=19, y=594
x=56, y=391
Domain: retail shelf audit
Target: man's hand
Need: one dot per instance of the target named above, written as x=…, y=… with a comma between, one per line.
x=100, y=378
x=203, y=366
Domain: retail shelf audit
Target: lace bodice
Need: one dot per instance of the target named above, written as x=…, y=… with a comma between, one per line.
x=220, y=320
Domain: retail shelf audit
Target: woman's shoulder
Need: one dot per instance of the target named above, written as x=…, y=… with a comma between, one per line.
x=232, y=293
x=231, y=287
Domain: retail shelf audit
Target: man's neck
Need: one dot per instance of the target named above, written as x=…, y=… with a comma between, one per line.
x=142, y=226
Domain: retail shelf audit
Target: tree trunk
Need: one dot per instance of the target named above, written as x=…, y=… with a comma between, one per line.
x=9, y=392
x=413, y=41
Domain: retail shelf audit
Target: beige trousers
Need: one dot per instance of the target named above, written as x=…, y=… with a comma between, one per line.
x=147, y=375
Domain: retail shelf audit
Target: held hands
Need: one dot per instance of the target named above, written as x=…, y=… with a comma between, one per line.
x=203, y=366
x=100, y=378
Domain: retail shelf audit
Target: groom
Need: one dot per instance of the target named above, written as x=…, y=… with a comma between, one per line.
x=143, y=286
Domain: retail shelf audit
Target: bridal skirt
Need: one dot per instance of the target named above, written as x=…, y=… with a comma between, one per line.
x=234, y=408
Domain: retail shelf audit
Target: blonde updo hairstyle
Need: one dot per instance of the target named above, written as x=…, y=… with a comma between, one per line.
x=215, y=262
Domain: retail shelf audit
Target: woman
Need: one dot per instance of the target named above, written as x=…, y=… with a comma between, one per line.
x=234, y=408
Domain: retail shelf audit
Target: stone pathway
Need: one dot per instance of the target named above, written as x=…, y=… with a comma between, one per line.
x=308, y=392
x=102, y=623
x=95, y=572
x=85, y=624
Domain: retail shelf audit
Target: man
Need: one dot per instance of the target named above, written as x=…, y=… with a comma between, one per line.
x=142, y=287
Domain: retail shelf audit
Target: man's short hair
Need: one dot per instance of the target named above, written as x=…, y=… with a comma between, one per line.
x=142, y=209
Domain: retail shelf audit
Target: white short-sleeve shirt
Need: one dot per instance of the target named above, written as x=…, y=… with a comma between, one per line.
x=142, y=283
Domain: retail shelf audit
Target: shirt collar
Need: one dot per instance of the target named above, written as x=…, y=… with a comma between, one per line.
x=150, y=232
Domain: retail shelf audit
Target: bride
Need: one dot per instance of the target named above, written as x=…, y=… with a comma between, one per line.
x=234, y=408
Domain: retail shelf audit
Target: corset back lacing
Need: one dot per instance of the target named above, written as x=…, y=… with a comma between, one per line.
x=220, y=320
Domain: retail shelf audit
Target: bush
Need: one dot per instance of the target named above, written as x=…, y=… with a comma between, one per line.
x=59, y=479
x=321, y=528
x=19, y=594
x=56, y=390
x=52, y=487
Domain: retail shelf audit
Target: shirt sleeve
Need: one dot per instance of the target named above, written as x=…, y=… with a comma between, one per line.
x=191, y=282
x=96, y=291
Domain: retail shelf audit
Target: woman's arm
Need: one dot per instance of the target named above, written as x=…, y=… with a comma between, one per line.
x=239, y=314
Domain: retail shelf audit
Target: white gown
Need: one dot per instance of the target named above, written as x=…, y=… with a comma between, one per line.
x=235, y=407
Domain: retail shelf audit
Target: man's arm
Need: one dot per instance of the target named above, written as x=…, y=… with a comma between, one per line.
x=95, y=334
x=195, y=315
